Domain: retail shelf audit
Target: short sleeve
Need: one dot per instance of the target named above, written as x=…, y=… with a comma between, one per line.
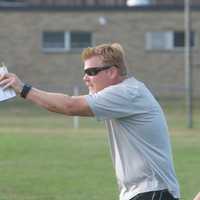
x=112, y=102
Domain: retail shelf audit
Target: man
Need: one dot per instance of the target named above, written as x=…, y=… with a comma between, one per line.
x=138, y=132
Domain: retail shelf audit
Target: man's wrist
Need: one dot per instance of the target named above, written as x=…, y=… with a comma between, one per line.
x=26, y=88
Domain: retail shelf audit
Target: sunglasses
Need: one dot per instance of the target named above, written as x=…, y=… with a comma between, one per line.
x=95, y=70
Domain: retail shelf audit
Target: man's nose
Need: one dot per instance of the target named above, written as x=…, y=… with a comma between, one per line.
x=85, y=77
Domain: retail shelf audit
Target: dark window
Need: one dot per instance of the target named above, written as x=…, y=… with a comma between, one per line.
x=53, y=40
x=179, y=39
x=80, y=39
x=59, y=41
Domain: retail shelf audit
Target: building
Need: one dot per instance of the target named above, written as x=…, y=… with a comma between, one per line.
x=42, y=43
x=96, y=2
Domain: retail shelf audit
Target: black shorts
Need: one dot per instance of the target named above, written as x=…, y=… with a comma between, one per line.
x=154, y=195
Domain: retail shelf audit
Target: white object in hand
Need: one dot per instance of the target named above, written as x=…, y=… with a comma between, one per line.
x=7, y=93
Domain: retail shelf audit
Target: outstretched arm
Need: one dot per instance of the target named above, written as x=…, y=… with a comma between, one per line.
x=54, y=102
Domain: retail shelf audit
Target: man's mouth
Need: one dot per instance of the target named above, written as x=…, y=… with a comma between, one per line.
x=91, y=88
x=88, y=85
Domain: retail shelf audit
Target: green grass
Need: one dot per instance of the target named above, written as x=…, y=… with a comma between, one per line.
x=43, y=158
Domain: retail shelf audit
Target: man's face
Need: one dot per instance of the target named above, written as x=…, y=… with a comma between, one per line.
x=95, y=79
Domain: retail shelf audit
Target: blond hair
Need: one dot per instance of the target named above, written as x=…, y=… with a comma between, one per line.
x=111, y=54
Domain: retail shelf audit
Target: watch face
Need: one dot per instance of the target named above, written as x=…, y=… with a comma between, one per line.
x=25, y=90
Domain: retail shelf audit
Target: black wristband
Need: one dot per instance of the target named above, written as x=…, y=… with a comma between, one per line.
x=25, y=90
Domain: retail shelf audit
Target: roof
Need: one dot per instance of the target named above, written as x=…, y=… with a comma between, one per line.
x=57, y=8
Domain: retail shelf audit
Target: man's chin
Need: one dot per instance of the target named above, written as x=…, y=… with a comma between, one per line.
x=91, y=91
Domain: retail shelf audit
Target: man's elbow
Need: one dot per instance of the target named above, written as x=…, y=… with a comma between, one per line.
x=78, y=109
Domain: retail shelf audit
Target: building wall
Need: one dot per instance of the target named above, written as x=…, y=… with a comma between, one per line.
x=162, y=71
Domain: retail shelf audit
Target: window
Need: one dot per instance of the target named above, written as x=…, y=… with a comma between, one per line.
x=61, y=41
x=54, y=40
x=158, y=40
x=167, y=40
x=80, y=40
x=179, y=39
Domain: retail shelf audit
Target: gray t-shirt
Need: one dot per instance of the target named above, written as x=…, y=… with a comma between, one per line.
x=138, y=137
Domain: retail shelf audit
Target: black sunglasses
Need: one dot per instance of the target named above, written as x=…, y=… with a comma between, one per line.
x=95, y=70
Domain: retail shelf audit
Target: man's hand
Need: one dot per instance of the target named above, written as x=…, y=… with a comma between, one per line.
x=9, y=80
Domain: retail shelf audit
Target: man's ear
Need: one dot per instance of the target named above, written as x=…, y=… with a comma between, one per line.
x=114, y=72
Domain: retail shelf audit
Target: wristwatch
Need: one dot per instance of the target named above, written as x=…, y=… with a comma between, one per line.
x=25, y=90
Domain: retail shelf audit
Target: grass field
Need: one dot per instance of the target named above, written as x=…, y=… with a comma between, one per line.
x=43, y=158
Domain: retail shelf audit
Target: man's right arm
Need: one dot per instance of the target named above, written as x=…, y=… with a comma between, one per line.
x=60, y=103
x=54, y=102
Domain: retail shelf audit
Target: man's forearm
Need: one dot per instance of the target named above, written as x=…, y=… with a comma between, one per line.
x=60, y=103
x=54, y=102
